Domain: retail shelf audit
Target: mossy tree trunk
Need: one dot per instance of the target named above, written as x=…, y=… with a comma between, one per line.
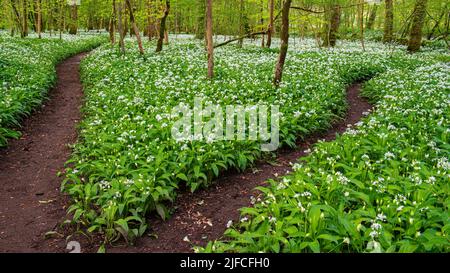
x=415, y=37
x=333, y=26
x=388, y=21
x=372, y=17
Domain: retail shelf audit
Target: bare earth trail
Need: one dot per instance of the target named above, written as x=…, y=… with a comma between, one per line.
x=203, y=216
x=30, y=200
x=31, y=203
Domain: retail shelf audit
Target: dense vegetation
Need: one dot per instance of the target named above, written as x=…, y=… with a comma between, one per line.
x=127, y=164
x=27, y=71
x=381, y=187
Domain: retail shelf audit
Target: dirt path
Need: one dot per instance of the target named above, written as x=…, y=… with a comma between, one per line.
x=203, y=216
x=30, y=199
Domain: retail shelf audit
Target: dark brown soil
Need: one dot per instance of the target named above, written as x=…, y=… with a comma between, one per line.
x=203, y=216
x=31, y=203
x=30, y=200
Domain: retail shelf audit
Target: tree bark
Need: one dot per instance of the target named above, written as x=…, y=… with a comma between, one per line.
x=162, y=27
x=333, y=26
x=112, y=31
x=135, y=28
x=25, y=18
x=18, y=18
x=241, y=23
x=150, y=20
x=372, y=17
x=271, y=22
x=284, y=35
x=388, y=22
x=415, y=40
x=436, y=26
x=73, y=29
x=39, y=18
x=209, y=39
x=361, y=23
x=120, y=26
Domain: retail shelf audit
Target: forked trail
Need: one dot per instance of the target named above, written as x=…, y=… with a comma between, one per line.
x=203, y=216
x=31, y=203
x=30, y=200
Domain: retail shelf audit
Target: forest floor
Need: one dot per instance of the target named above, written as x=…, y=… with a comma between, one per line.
x=32, y=205
x=203, y=216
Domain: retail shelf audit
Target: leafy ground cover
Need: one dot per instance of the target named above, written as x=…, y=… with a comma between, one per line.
x=127, y=164
x=27, y=71
x=381, y=187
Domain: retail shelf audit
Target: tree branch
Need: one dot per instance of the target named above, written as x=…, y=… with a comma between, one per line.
x=241, y=37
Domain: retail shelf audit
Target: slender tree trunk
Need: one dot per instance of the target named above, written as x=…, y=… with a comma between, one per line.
x=388, y=22
x=436, y=26
x=39, y=18
x=73, y=29
x=209, y=38
x=162, y=27
x=25, y=18
x=120, y=26
x=263, y=42
x=113, y=23
x=19, y=19
x=284, y=35
x=271, y=21
x=200, y=31
x=150, y=21
x=333, y=26
x=241, y=23
x=361, y=23
x=135, y=28
x=372, y=17
x=61, y=18
x=415, y=40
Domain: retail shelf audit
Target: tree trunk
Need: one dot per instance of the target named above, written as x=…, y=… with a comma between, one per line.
x=241, y=23
x=209, y=39
x=166, y=37
x=25, y=18
x=436, y=26
x=271, y=21
x=73, y=29
x=61, y=19
x=361, y=23
x=112, y=31
x=135, y=28
x=19, y=19
x=333, y=26
x=150, y=21
x=388, y=22
x=372, y=17
x=162, y=27
x=284, y=35
x=263, y=42
x=121, y=30
x=39, y=18
x=415, y=40
x=200, y=33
